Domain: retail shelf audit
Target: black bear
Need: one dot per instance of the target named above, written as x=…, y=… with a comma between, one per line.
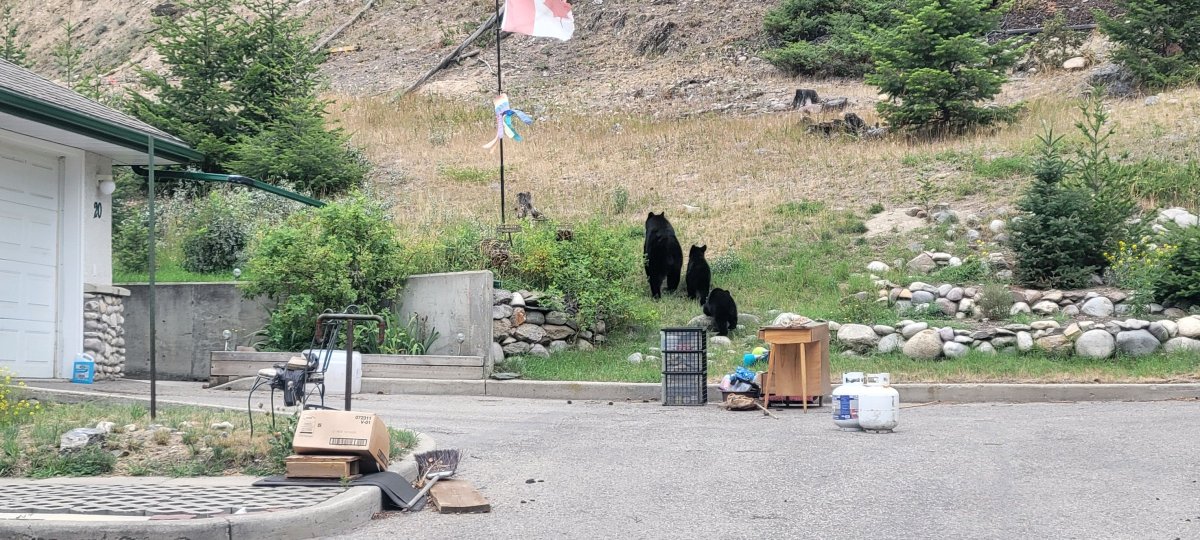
x=699, y=276
x=723, y=310
x=661, y=253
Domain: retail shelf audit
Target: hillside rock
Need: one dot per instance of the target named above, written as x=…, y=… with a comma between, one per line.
x=924, y=345
x=1189, y=327
x=1137, y=342
x=1095, y=344
x=858, y=337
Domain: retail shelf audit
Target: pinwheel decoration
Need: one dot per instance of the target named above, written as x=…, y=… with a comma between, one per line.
x=504, y=121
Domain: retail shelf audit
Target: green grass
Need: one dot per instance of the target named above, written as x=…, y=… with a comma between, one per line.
x=467, y=175
x=996, y=168
x=800, y=208
x=171, y=272
x=610, y=364
x=30, y=448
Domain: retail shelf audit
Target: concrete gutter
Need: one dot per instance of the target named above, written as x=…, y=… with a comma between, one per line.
x=347, y=510
x=911, y=393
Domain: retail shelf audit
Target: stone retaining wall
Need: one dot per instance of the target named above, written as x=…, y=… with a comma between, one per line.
x=963, y=302
x=104, y=329
x=522, y=324
x=1091, y=339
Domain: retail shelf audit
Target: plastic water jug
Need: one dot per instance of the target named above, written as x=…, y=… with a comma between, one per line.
x=84, y=369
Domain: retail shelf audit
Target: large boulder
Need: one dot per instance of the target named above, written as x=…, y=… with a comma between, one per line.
x=911, y=330
x=924, y=345
x=890, y=343
x=1095, y=344
x=1098, y=306
x=1118, y=81
x=80, y=437
x=1053, y=343
x=1045, y=307
x=1182, y=344
x=859, y=338
x=531, y=333
x=1137, y=342
x=1189, y=327
x=954, y=349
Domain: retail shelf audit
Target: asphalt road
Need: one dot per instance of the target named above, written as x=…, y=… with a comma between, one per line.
x=640, y=470
x=1081, y=470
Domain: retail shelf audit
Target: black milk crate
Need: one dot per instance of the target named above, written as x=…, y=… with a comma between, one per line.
x=684, y=389
x=684, y=339
x=685, y=362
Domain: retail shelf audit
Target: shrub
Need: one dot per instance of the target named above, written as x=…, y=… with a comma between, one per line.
x=1158, y=41
x=596, y=271
x=1179, y=280
x=823, y=37
x=130, y=240
x=1138, y=266
x=1055, y=44
x=936, y=67
x=345, y=253
x=217, y=234
x=14, y=408
x=971, y=270
x=995, y=301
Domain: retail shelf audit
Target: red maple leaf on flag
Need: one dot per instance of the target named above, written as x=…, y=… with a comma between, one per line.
x=560, y=8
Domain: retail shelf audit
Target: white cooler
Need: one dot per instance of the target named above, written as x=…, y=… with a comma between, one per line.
x=335, y=376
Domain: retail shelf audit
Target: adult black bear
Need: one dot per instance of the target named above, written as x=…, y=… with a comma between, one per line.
x=699, y=276
x=723, y=310
x=661, y=253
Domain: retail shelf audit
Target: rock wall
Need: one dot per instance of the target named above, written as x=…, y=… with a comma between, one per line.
x=962, y=302
x=104, y=329
x=522, y=324
x=1090, y=339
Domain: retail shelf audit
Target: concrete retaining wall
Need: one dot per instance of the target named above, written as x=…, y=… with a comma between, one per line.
x=191, y=318
x=458, y=305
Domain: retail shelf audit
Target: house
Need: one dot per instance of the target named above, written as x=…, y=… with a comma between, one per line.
x=57, y=150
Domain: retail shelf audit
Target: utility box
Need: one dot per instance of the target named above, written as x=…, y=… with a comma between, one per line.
x=344, y=433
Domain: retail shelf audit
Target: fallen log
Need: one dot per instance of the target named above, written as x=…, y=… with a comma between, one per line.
x=487, y=25
x=325, y=40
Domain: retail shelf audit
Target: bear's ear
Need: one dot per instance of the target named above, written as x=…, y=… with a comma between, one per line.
x=702, y=248
x=649, y=215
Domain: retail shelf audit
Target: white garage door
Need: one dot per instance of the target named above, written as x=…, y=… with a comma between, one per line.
x=28, y=260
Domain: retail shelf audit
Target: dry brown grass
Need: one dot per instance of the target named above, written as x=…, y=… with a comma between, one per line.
x=733, y=168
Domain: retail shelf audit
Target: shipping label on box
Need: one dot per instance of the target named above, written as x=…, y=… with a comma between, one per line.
x=344, y=432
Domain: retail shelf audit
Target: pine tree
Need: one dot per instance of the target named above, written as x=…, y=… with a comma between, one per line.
x=1157, y=40
x=11, y=49
x=280, y=67
x=67, y=53
x=937, y=66
x=202, y=53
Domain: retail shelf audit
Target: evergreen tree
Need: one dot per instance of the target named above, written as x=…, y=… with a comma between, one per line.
x=937, y=67
x=67, y=53
x=280, y=67
x=11, y=49
x=1157, y=40
x=202, y=54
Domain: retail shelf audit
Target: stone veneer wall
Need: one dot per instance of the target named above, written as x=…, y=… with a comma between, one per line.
x=521, y=325
x=104, y=329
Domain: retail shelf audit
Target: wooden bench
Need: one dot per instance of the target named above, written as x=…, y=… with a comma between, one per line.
x=225, y=366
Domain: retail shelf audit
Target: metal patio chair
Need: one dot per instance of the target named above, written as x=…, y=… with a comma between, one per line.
x=299, y=373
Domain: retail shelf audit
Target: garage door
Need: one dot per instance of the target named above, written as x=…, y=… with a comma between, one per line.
x=28, y=259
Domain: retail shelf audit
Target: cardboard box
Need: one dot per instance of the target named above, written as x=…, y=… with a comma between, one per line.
x=344, y=433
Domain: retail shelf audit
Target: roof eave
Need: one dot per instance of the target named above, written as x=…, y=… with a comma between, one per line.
x=39, y=111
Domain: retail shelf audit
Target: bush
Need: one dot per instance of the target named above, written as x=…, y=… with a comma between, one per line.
x=14, y=408
x=217, y=234
x=1179, y=280
x=995, y=301
x=1158, y=41
x=1138, y=267
x=937, y=67
x=130, y=240
x=823, y=37
x=595, y=272
x=345, y=253
x=1055, y=44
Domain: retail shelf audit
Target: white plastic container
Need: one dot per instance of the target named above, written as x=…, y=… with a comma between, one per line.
x=335, y=376
x=846, y=401
x=879, y=404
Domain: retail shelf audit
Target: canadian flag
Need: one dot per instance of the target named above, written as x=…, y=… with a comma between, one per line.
x=541, y=18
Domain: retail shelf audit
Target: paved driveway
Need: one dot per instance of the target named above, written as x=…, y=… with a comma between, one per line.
x=1081, y=470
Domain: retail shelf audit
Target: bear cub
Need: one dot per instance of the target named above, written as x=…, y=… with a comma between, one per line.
x=662, y=255
x=699, y=276
x=723, y=310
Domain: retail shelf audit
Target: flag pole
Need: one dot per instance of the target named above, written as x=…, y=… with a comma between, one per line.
x=500, y=90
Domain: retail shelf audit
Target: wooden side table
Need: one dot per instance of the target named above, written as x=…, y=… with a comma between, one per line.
x=798, y=363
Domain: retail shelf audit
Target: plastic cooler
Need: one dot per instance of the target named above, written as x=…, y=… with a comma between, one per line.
x=335, y=376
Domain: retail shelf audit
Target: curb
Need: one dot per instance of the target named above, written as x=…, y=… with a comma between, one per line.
x=407, y=467
x=350, y=509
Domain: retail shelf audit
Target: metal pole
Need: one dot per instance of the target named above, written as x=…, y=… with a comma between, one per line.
x=150, y=234
x=349, y=359
x=500, y=90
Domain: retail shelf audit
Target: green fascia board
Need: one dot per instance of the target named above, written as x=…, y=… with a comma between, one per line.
x=93, y=127
x=231, y=179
